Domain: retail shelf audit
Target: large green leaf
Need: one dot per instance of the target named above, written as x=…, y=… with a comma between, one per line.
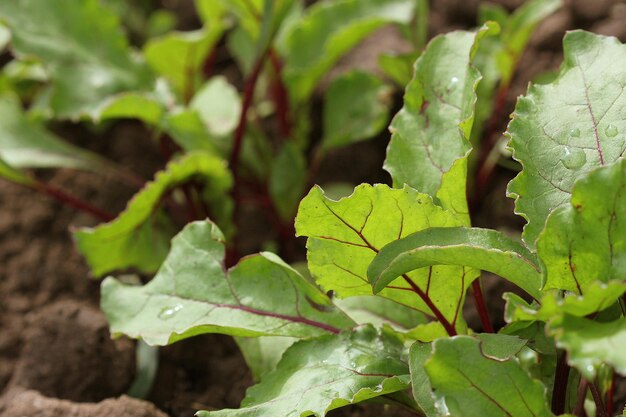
x=82, y=46
x=347, y=120
x=563, y=130
x=287, y=180
x=139, y=237
x=329, y=30
x=379, y=311
x=585, y=240
x=178, y=56
x=319, y=375
x=345, y=236
x=240, y=302
x=484, y=249
x=263, y=353
x=590, y=344
x=432, y=130
x=25, y=143
x=474, y=383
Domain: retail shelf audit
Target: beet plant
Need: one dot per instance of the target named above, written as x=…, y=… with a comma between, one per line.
x=408, y=255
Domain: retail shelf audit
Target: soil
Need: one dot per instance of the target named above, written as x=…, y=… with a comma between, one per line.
x=56, y=357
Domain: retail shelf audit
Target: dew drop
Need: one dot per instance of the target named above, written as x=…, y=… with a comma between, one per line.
x=169, y=312
x=611, y=131
x=454, y=81
x=574, y=158
x=575, y=132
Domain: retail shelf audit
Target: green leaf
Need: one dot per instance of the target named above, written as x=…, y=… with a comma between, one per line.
x=590, y=344
x=432, y=130
x=420, y=384
x=218, y=105
x=287, y=180
x=240, y=302
x=82, y=46
x=319, y=375
x=379, y=311
x=15, y=175
x=347, y=120
x=25, y=143
x=5, y=37
x=484, y=249
x=585, y=240
x=563, y=130
x=398, y=67
x=345, y=236
x=263, y=353
x=598, y=296
x=472, y=383
x=142, y=106
x=178, y=56
x=327, y=31
x=189, y=132
x=139, y=237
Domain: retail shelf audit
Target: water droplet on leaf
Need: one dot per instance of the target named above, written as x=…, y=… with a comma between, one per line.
x=574, y=158
x=169, y=312
x=454, y=81
x=575, y=132
x=611, y=131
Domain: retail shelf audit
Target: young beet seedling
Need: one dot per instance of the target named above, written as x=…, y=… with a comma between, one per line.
x=407, y=255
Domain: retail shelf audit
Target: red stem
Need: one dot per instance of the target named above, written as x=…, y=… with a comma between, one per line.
x=72, y=201
x=481, y=307
x=559, y=391
x=280, y=95
x=248, y=96
x=597, y=398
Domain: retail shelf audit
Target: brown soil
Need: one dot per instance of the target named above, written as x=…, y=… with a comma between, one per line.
x=54, y=344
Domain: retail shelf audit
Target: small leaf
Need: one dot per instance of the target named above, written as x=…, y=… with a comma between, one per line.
x=139, y=237
x=598, y=296
x=398, y=67
x=432, y=130
x=473, y=384
x=590, y=344
x=142, y=106
x=25, y=143
x=585, y=240
x=288, y=180
x=218, y=104
x=240, y=302
x=347, y=120
x=178, y=56
x=345, y=236
x=189, y=132
x=327, y=31
x=5, y=37
x=563, y=130
x=484, y=249
x=82, y=46
x=319, y=375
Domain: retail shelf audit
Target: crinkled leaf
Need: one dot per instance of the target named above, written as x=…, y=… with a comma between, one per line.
x=218, y=104
x=563, y=130
x=263, y=353
x=432, y=130
x=329, y=30
x=379, y=311
x=287, y=180
x=345, y=236
x=25, y=143
x=484, y=249
x=598, y=296
x=585, y=240
x=139, y=237
x=240, y=302
x=474, y=384
x=589, y=344
x=319, y=375
x=82, y=46
x=178, y=56
x=347, y=120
